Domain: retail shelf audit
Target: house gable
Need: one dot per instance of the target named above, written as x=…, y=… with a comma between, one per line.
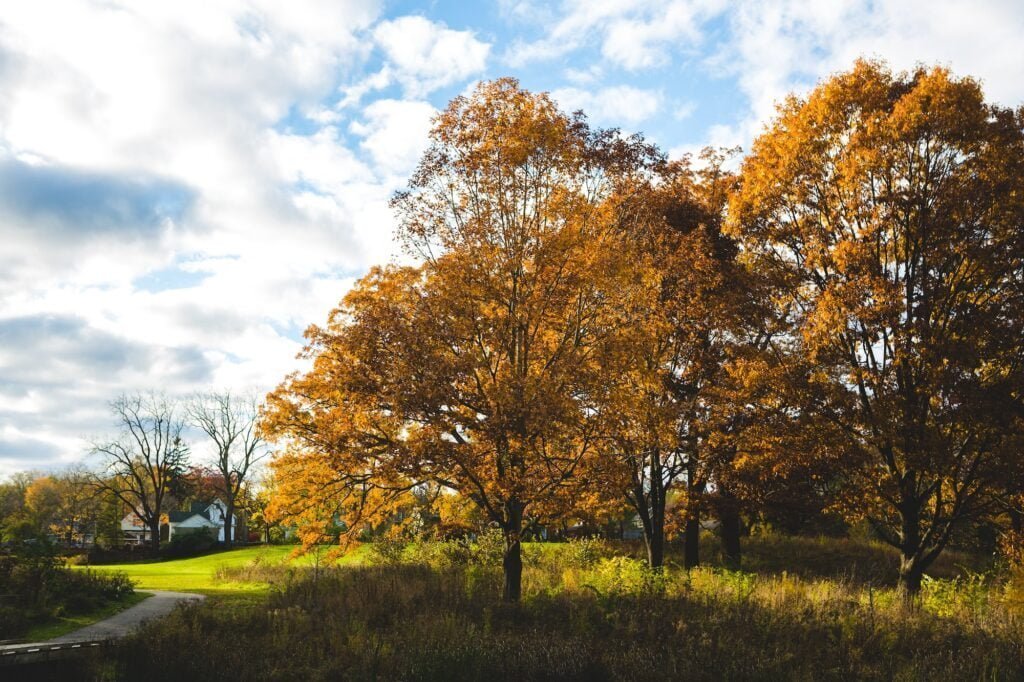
x=194, y=521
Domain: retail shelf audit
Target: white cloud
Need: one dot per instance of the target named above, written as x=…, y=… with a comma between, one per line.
x=427, y=55
x=645, y=42
x=615, y=105
x=780, y=47
x=395, y=133
x=122, y=108
x=633, y=34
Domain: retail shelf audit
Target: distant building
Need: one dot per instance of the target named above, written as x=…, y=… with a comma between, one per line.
x=202, y=515
x=134, y=530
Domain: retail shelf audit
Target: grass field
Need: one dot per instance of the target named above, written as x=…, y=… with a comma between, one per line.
x=199, y=574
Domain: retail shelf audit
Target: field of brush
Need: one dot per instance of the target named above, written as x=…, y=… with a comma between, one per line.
x=802, y=609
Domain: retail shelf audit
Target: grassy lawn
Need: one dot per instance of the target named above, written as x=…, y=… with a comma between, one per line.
x=198, y=574
x=65, y=624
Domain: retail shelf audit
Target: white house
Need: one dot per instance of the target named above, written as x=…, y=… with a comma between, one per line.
x=201, y=515
x=134, y=530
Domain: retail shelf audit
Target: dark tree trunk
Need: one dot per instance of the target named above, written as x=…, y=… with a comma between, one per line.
x=691, y=539
x=911, y=573
x=227, y=525
x=911, y=566
x=512, y=562
x=655, y=541
x=154, y=534
x=650, y=507
x=691, y=533
x=729, y=530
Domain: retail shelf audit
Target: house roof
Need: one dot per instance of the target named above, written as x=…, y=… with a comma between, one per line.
x=201, y=509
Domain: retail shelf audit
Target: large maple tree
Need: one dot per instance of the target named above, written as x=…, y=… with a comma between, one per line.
x=475, y=369
x=892, y=208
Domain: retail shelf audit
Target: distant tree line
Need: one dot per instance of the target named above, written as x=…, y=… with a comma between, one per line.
x=145, y=470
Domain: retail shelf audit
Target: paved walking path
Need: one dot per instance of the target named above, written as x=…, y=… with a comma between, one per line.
x=118, y=625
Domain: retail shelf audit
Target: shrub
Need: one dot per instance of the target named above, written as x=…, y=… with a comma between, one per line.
x=386, y=550
x=37, y=588
x=625, y=575
x=259, y=571
x=77, y=560
x=585, y=552
x=190, y=543
x=487, y=549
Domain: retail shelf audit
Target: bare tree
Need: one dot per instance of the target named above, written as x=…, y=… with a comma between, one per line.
x=143, y=461
x=231, y=422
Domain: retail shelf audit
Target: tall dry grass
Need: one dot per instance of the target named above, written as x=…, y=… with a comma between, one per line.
x=591, y=612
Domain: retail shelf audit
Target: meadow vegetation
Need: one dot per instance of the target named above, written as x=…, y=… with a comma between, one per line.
x=594, y=610
x=39, y=596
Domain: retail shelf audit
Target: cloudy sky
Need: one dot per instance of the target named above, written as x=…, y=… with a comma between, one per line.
x=186, y=185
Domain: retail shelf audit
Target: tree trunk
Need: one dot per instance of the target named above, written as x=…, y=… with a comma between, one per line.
x=911, y=573
x=154, y=534
x=655, y=541
x=650, y=508
x=695, y=490
x=729, y=529
x=512, y=562
x=227, y=525
x=911, y=568
x=691, y=538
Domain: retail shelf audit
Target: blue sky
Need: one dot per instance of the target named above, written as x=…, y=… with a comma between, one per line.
x=185, y=186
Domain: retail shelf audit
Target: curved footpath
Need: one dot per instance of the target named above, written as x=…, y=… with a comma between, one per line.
x=118, y=625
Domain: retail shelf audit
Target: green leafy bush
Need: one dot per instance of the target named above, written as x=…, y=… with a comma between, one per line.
x=37, y=587
x=190, y=543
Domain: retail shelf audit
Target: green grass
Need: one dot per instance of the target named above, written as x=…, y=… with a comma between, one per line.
x=199, y=574
x=69, y=623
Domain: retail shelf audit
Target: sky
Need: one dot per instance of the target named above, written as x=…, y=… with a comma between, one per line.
x=186, y=186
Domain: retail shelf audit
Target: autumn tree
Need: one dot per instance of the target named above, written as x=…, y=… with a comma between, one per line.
x=474, y=370
x=14, y=523
x=140, y=465
x=892, y=206
x=256, y=502
x=65, y=504
x=231, y=423
x=658, y=367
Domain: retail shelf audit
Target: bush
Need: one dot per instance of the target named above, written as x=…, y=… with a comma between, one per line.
x=36, y=588
x=487, y=549
x=386, y=551
x=625, y=575
x=98, y=556
x=77, y=560
x=190, y=543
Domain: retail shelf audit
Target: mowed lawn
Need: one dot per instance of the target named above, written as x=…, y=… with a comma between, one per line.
x=199, y=574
